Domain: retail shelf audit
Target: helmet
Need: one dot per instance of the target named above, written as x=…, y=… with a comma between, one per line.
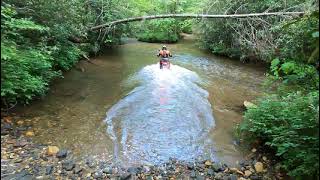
x=164, y=47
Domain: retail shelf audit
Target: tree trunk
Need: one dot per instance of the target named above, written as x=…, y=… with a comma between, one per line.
x=193, y=16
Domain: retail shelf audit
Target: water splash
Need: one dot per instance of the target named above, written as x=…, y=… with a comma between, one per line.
x=167, y=116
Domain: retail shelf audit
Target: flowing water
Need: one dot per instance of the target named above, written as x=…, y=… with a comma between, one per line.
x=122, y=108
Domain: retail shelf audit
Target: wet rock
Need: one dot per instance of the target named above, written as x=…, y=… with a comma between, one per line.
x=233, y=177
x=208, y=163
x=258, y=167
x=125, y=176
x=133, y=170
x=52, y=150
x=24, y=174
x=18, y=160
x=98, y=175
x=22, y=128
x=149, y=177
x=49, y=170
x=146, y=169
x=247, y=173
x=216, y=167
x=29, y=133
x=20, y=144
x=62, y=153
x=235, y=170
x=264, y=158
x=20, y=122
x=242, y=178
x=193, y=174
x=200, y=167
x=90, y=163
x=219, y=175
x=244, y=163
x=68, y=165
x=255, y=177
x=107, y=170
x=77, y=170
x=200, y=177
x=210, y=172
x=6, y=126
x=190, y=166
x=4, y=132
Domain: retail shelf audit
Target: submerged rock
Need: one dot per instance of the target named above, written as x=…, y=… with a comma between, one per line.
x=29, y=133
x=49, y=170
x=68, y=165
x=52, y=150
x=62, y=154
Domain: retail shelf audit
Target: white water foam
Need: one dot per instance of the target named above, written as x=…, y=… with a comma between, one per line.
x=167, y=116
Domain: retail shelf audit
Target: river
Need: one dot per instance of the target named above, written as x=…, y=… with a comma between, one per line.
x=123, y=109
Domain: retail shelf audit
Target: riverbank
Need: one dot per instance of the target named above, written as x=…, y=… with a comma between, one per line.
x=22, y=158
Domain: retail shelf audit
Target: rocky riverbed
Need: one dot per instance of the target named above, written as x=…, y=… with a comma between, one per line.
x=21, y=158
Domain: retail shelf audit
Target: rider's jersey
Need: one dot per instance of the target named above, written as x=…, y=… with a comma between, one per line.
x=164, y=53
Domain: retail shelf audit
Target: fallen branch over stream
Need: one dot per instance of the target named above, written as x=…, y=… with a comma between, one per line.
x=141, y=18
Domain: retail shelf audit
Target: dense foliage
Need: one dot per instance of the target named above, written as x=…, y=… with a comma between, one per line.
x=286, y=119
x=165, y=30
x=39, y=39
x=257, y=38
x=290, y=124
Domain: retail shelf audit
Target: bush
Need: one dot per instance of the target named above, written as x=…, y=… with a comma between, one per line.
x=166, y=30
x=26, y=71
x=290, y=125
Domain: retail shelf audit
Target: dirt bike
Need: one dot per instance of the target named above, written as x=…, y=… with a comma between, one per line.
x=164, y=63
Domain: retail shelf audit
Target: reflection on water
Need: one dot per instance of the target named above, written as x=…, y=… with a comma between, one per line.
x=167, y=115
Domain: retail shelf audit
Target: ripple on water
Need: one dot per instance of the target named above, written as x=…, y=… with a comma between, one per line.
x=167, y=115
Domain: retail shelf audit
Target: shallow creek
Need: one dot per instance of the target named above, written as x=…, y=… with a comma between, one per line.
x=122, y=108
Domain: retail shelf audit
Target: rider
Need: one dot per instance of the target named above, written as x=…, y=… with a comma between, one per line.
x=165, y=54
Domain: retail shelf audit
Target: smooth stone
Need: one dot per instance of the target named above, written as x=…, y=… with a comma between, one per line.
x=90, y=163
x=233, y=177
x=208, y=163
x=125, y=176
x=247, y=173
x=52, y=150
x=210, y=172
x=98, y=175
x=199, y=177
x=217, y=167
x=193, y=174
x=218, y=175
x=107, y=170
x=68, y=165
x=62, y=153
x=49, y=170
x=77, y=169
x=132, y=170
x=29, y=133
x=258, y=167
